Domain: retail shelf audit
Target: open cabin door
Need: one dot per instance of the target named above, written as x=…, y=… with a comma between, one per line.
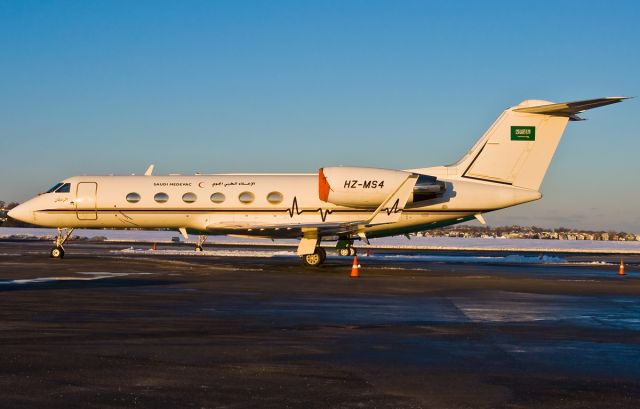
x=86, y=201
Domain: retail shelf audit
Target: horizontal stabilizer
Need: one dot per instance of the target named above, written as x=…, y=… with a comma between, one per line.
x=570, y=109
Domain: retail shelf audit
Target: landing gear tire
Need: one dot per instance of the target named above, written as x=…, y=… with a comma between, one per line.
x=347, y=251
x=201, y=239
x=323, y=254
x=57, y=252
x=61, y=238
x=315, y=259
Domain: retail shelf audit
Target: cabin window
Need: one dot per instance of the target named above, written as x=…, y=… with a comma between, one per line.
x=54, y=188
x=246, y=197
x=64, y=188
x=161, y=197
x=133, y=197
x=275, y=197
x=217, y=197
x=189, y=197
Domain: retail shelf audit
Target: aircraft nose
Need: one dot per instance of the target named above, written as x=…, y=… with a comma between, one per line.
x=21, y=212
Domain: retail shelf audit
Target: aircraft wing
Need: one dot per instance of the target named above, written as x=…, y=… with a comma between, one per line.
x=293, y=230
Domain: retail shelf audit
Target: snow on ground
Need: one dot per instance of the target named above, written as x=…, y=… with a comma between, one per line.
x=452, y=258
x=397, y=242
x=147, y=236
x=88, y=276
x=456, y=243
x=508, y=259
x=215, y=253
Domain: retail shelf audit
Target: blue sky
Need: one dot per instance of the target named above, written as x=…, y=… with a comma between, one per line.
x=100, y=87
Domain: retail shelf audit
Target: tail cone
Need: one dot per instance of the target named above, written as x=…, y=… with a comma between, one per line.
x=621, y=269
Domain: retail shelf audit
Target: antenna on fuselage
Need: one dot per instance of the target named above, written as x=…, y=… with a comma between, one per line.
x=149, y=170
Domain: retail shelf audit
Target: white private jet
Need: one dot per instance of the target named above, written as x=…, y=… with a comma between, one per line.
x=504, y=168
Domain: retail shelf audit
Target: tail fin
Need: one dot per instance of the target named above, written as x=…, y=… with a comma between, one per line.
x=518, y=148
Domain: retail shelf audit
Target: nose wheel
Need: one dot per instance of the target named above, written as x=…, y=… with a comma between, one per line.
x=61, y=238
x=201, y=239
x=316, y=258
x=57, y=252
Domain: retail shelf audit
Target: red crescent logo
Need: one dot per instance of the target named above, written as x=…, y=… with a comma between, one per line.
x=200, y=184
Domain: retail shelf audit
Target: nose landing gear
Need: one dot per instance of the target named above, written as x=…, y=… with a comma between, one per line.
x=61, y=238
x=201, y=239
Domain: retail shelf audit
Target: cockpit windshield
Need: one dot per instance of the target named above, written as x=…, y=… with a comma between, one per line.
x=65, y=188
x=53, y=189
x=60, y=188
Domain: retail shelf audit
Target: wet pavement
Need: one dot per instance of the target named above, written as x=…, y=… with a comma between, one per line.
x=112, y=328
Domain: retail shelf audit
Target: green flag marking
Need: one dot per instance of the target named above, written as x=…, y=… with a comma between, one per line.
x=523, y=133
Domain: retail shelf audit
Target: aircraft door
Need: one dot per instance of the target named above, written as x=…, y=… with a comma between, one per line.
x=86, y=201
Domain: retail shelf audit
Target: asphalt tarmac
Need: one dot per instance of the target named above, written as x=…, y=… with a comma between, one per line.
x=107, y=328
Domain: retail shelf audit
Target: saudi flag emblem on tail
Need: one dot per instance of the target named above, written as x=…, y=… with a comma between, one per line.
x=523, y=133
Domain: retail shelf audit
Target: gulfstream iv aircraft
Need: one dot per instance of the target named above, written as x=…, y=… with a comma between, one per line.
x=342, y=204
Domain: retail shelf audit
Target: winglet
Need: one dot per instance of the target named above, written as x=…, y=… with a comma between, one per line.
x=571, y=109
x=149, y=170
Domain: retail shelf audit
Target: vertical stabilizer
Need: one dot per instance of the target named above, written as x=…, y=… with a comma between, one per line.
x=518, y=148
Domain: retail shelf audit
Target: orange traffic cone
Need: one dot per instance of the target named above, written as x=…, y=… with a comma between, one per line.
x=621, y=269
x=355, y=270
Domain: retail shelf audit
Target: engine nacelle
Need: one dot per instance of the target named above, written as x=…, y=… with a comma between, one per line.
x=368, y=187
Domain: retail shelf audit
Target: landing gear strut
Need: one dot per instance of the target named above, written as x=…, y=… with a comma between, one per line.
x=61, y=238
x=316, y=258
x=201, y=239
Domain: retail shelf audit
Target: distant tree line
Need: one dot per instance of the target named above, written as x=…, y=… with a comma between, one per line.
x=530, y=232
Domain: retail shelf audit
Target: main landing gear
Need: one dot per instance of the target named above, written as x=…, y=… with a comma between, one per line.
x=61, y=238
x=347, y=251
x=319, y=255
x=316, y=258
x=201, y=239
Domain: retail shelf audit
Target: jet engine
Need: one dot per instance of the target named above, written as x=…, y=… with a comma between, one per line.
x=369, y=187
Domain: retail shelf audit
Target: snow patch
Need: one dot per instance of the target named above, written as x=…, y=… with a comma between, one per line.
x=93, y=276
x=509, y=259
x=210, y=253
x=396, y=242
